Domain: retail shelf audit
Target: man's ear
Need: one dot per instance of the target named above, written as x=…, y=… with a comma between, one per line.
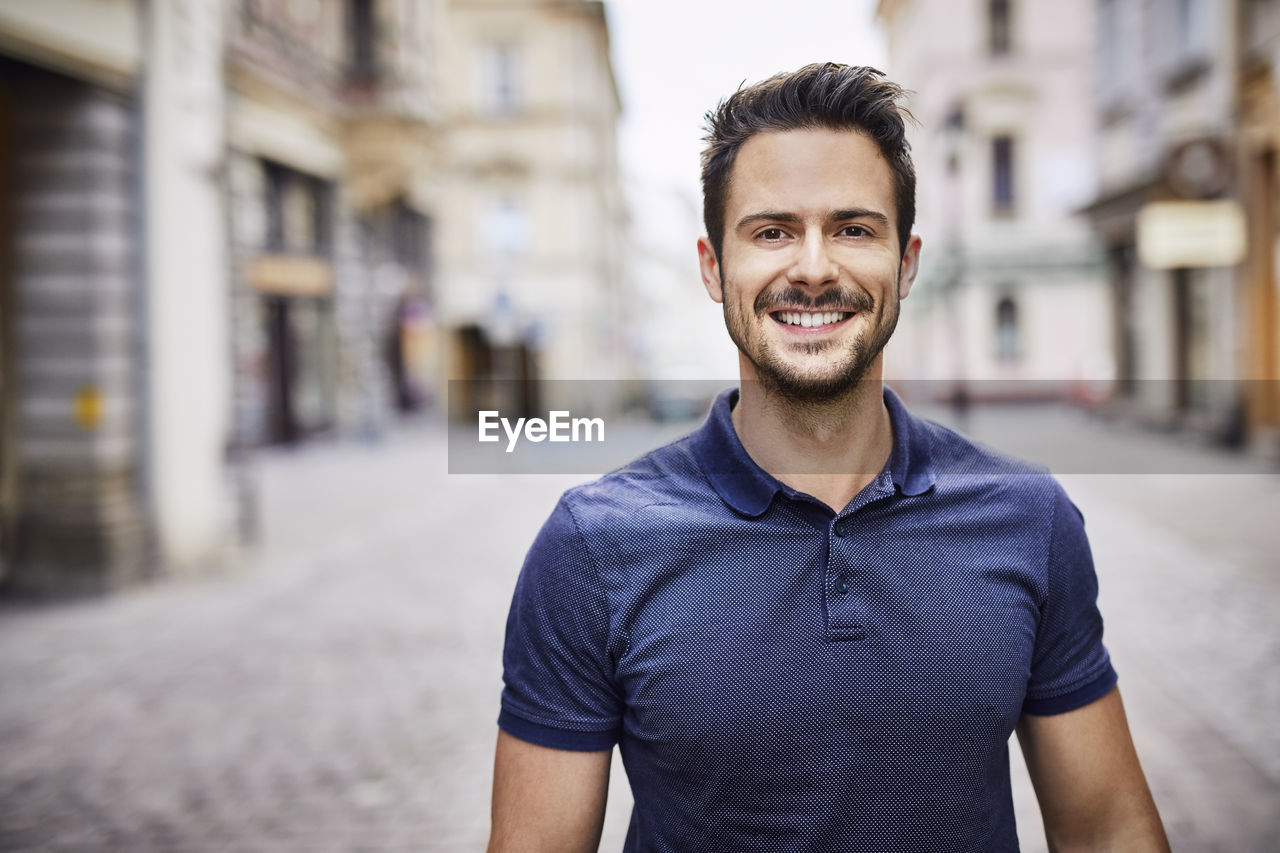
x=909, y=267
x=709, y=266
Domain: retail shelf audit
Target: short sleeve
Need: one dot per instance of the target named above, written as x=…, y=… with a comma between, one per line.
x=1070, y=666
x=557, y=672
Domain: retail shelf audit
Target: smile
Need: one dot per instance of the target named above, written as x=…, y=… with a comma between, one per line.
x=808, y=319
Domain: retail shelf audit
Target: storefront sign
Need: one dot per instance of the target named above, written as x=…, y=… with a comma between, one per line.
x=289, y=275
x=1174, y=234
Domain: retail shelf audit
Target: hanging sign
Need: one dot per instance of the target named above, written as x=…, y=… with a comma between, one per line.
x=1174, y=234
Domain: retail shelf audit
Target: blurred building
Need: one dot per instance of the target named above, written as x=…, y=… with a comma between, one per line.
x=1189, y=116
x=1011, y=283
x=219, y=231
x=530, y=251
x=215, y=234
x=112, y=291
x=332, y=134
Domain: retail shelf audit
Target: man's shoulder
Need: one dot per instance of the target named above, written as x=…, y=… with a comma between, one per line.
x=960, y=459
x=667, y=475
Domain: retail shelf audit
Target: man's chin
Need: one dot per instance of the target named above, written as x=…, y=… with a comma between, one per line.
x=810, y=388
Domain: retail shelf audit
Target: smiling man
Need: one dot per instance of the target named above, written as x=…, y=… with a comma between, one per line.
x=813, y=624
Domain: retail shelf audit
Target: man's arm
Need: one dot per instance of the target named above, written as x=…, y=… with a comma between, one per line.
x=1092, y=793
x=548, y=800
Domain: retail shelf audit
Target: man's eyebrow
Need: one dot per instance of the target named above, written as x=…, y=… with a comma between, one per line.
x=768, y=216
x=861, y=213
x=836, y=216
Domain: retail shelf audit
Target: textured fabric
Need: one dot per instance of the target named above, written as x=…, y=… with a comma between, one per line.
x=780, y=677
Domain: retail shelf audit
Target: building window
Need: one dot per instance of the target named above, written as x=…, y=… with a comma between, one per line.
x=507, y=228
x=1190, y=29
x=1111, y=43
x=362, y=32
x=999, y=27
x=297, y=212
x=500, y=79
x=410, y=239
x=1007, y=348
x=1002, y=176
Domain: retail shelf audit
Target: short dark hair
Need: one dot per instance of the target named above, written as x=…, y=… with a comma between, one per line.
x=822, y=95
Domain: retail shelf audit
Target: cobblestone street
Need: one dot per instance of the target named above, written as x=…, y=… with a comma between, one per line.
x=337, y=689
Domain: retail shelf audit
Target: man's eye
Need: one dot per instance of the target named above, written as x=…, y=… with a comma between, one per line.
x=772, y=234
x=854, y=231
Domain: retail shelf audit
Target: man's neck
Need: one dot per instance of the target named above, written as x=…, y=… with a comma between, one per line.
x=830, y=449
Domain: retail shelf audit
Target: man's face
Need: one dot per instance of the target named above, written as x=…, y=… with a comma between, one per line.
x=809, y=274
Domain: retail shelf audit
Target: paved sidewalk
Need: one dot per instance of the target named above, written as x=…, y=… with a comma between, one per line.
x=337, y=690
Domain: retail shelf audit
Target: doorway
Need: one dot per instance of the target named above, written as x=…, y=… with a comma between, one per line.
x=300, y=371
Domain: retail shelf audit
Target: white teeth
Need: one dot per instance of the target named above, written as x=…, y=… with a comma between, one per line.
x=809, y=320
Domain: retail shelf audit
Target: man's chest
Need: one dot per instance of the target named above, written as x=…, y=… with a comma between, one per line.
x=800, y=641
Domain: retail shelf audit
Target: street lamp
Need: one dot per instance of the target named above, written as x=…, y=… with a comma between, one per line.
x=953, y=142
x=952, y=137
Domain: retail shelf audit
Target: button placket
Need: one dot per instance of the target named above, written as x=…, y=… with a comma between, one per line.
x=846, y=616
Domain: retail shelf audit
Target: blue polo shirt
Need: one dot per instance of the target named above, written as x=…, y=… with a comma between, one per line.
x=781, y=677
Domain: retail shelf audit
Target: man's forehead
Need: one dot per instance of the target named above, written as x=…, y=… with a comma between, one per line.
x=838, y=167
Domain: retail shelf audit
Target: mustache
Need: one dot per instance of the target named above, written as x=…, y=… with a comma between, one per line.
x=795, y=297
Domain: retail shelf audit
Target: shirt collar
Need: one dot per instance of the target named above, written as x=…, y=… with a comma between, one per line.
x=749, y=489
x=910, y=461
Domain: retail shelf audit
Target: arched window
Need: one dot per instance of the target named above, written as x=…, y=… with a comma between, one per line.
x=999, y=26
x=1003, y=176
x=500, y=79
x=1007, y=347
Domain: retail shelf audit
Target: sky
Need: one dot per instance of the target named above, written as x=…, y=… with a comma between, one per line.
x=675, y=59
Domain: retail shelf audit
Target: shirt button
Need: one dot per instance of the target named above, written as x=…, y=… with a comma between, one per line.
x=842, y=585
x=842, y=528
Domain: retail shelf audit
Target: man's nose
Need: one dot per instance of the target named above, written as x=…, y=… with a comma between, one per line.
x=813, y=264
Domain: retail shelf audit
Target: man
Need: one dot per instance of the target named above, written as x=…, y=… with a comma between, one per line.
x=813, y=623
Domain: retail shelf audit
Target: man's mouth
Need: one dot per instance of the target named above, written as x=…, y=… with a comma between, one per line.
x=810, y=319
